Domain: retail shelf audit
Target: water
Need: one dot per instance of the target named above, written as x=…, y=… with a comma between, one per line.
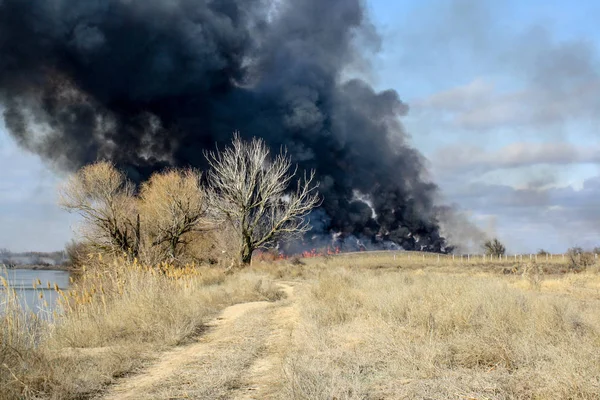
x=21, y=280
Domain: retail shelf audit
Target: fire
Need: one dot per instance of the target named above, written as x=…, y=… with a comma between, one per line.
x=322, y=252
x=270, y=256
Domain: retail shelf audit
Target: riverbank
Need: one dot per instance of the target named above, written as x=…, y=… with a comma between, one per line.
x=132, y=310
x=37, y=267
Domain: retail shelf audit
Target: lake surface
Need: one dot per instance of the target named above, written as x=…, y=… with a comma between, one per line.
x=21, y=280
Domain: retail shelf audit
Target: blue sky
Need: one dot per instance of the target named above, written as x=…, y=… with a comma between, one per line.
x=504, y=101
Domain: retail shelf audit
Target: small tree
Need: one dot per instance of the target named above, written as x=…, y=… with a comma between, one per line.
x=104, y=198
x=251, y=193
x=173, y=205
x=579, y=259
x=494, y=248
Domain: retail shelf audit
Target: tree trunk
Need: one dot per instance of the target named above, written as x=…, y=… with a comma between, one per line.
x=173, y=247
x=246, y=257
x=247, y=249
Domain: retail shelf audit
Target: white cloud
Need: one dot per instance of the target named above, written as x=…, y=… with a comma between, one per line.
x=457, y=158
x=460, y=98
x=479, y=105
x=554, y=218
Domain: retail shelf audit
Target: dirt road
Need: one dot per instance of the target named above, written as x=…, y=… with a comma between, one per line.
x=239, y=357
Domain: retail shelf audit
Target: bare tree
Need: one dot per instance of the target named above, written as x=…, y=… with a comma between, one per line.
x=103, y=196
x=251, y=193
x=494, y=248
x=173, y=205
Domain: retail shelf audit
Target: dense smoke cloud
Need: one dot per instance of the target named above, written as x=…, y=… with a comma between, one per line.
x=152, y=83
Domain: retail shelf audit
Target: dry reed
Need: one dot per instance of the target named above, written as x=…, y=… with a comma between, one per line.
x=114, y=318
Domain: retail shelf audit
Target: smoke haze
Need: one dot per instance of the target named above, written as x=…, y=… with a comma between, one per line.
x=148, y=84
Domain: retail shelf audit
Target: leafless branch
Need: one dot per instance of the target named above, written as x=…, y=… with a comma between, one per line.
x=250, y=191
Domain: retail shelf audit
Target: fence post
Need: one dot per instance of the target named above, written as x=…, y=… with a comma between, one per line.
x=423, y=256
x=438, y=258
x=468, y=257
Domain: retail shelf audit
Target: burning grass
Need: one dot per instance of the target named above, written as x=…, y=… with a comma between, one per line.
x=116, y=316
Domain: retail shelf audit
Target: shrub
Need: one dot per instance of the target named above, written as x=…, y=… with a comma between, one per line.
x=494, y=248
x=578, y=259
x=542, y=252
x=173, y=207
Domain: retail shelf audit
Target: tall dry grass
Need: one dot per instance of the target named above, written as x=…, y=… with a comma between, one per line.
x=369, y=327
x=20, y=332
x=410, y=335
x=115, y=318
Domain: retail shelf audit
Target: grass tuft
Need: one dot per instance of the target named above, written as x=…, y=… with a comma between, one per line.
x=114, y=319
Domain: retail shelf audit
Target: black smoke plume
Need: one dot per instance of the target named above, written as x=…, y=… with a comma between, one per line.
x=151, y=83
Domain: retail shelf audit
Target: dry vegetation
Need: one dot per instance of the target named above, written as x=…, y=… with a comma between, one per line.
x=356, y=326
x=116, y=317
x=375, y=334
x=247, y=195
x=378, y=326
x=368, y=326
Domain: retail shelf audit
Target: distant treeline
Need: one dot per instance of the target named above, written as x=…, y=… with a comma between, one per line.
x=9, y=258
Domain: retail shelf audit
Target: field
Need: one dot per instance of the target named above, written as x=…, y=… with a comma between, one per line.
x=350, y=326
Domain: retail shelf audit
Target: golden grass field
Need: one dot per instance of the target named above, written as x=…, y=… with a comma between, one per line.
x=355, y=326
x=118, y=316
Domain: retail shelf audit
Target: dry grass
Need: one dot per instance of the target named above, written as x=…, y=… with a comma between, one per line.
x=363, y=327
x=415, y=261
x=19, y=333
x=387, y=334
x=218, y=373
x=116, y=317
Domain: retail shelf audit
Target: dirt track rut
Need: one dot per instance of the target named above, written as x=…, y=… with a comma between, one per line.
x=238, y=358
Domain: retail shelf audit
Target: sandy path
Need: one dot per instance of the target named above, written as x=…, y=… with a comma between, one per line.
x=239, y=357
x=263, y=380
